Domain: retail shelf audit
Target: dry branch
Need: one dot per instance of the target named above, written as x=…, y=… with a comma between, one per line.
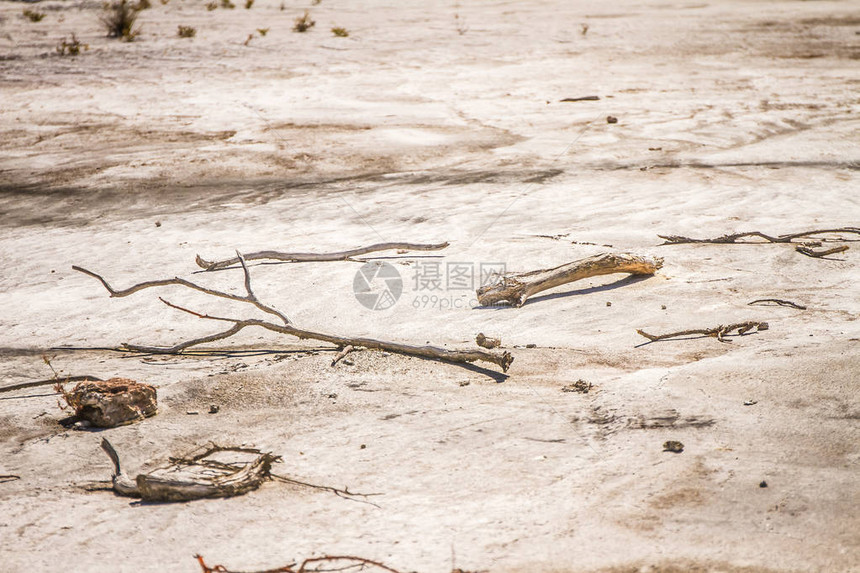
x=317, y=257
x=503, y=360
x=515, y=288
x=357, y=562
x=735, y=238
x=810, y=252
x=718, y=332
x=778, y=301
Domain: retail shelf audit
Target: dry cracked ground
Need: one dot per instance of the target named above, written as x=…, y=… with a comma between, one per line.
x=435, y=122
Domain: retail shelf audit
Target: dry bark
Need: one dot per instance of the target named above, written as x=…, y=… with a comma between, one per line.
x=515, y=288
x=317, y=257
x=718, y=332
x=503, y=359
x=734, y=238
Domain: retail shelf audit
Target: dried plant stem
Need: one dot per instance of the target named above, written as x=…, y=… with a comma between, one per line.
x=317, y=257
x=718, y=332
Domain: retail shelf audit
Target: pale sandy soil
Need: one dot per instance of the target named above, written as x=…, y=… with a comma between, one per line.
x=133, y=157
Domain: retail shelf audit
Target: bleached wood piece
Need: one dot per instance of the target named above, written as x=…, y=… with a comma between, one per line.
x=515, y=288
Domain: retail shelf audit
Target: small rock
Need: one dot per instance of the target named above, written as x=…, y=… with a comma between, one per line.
x=662, y=307
x=750, y=402
x=114, y=402
x=348, y=362
x=82, y=424
x=158, y=223
x=608, y=303
x=673, y=446
x=763, y=484
x=192, y=413
x=580, y=386
x=464, y=383
x=611, y=119
x=363, y=446
x=487, y=342
x=214, y=409
x=531, y=345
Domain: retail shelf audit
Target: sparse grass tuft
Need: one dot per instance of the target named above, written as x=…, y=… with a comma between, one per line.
x=248, y=4
x=71, y=47
x=263, y=31
x=119, y=18
x=212, y=6
x=227, y=4
x=303, y=23
x=187, y=32
x=340, y=32
x=33, y=15
x=143, y=5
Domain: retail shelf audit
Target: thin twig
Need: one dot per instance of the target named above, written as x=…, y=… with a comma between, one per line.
x=317, y=257
x=23, y=385
x=359, y=562
x=344, y=493
x=778, y=301
x=302, y=567
x=115, y=293
x=718, y=332
x=734, y=238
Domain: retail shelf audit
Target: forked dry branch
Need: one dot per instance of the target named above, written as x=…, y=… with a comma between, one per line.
x=515, y=288
x=311, y=565
x=318, y=257
x=735, y=238
x=502, y=359
x=717, y=332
